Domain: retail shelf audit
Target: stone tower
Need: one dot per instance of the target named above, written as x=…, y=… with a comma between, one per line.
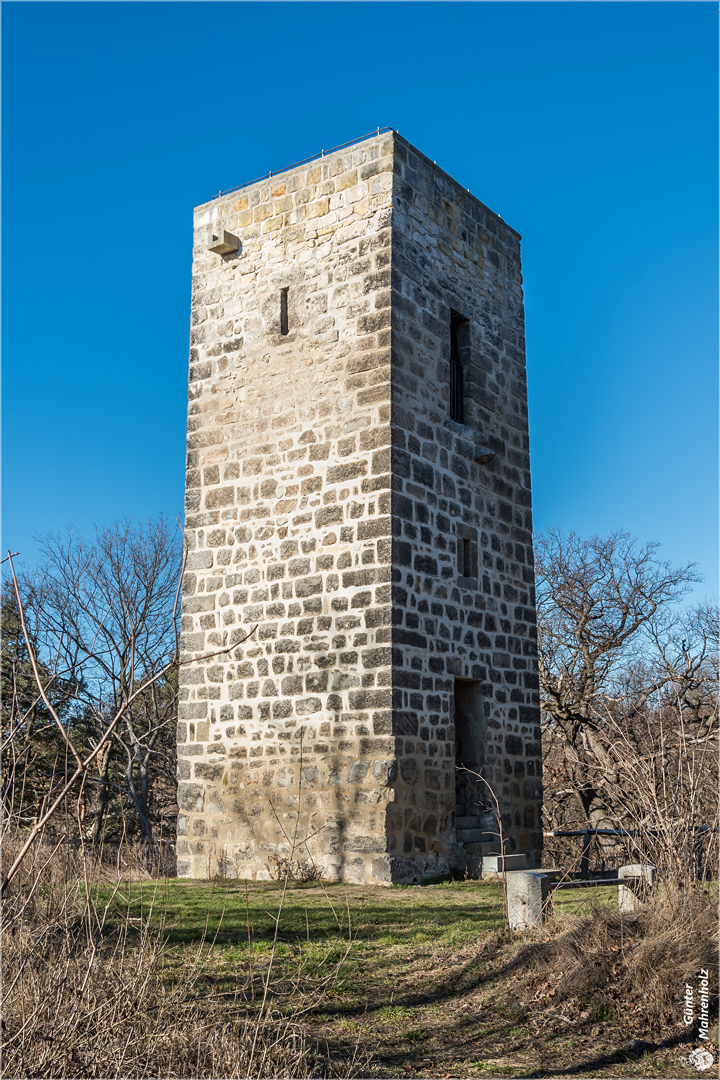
x=358, y=496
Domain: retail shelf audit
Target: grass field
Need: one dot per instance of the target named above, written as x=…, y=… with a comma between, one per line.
x=411, y=980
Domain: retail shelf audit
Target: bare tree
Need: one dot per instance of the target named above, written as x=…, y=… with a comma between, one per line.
x=615, y=655
x=107, y=611
x=108, y=614
x=31, y=742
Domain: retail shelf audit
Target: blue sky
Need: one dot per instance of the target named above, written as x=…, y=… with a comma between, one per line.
x=590, y=127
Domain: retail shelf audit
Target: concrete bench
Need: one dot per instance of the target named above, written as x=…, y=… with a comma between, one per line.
x=492, y=865
x=529, y=892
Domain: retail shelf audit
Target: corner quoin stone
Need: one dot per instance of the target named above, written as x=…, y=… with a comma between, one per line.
x=381, y=549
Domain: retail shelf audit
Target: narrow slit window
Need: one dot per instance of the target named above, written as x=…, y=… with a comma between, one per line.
x=467, y=552
x=458, y=333
x=466, y=569
x=283, y=311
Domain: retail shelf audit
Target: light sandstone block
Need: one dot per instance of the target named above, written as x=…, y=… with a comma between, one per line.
x=496, y=864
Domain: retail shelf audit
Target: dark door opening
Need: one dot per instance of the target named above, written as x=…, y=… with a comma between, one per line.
x=469, y=748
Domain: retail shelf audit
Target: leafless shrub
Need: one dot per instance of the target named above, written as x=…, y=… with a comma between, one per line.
x=89, y=987
x=293, y=867
x=499, y=833
x=99, y=621
x=135, y=677
x=663, y=794
x=298, y=871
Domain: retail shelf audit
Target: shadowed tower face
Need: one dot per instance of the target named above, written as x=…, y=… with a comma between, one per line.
x=358, y=496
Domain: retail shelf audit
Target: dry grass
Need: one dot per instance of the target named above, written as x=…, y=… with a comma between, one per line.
x=642, y=959
x=82, y=1011
x=89, y=990
x=94, y=987
x=59, y=861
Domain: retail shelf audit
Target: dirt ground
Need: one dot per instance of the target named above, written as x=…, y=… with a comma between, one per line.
x=471, y=1013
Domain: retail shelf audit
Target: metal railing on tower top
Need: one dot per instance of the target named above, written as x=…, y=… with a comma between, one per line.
x=305, y=161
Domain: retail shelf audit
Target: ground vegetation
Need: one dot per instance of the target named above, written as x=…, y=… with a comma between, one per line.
x=112, y=968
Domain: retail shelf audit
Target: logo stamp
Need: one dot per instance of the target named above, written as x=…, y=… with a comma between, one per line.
x=699, y=1059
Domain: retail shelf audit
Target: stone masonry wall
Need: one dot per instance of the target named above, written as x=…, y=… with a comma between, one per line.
x=326, y=493
x=288, y=525
x=451, y=254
